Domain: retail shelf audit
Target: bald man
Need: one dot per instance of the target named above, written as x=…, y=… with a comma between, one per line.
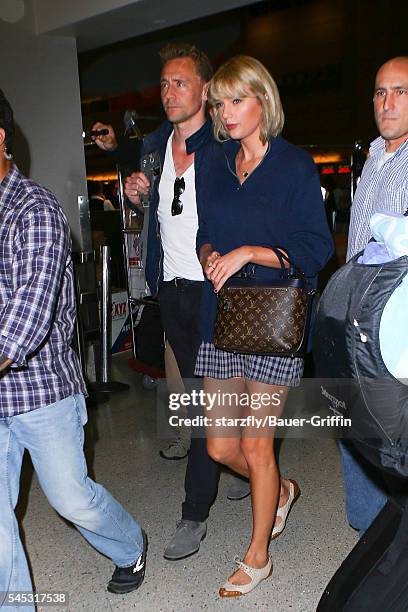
x=383, y=187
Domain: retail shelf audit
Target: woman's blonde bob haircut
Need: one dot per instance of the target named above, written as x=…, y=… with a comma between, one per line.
x=240, y=77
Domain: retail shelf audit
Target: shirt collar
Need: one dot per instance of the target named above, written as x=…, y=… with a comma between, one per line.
x=231, y=148
x=193, y=143
x=200, y=137
x=377, y=147
x=8, y=186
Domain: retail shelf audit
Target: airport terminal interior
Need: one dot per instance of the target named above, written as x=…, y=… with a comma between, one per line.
x=323, y=54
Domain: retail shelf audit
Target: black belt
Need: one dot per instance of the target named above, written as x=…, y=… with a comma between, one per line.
x=182, y=282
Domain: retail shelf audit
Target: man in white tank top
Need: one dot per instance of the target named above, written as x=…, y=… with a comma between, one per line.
x=178, y=232
x=173, y=271
x=179, y=279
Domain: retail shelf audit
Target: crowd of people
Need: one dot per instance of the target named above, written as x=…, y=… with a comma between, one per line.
x=230, y=189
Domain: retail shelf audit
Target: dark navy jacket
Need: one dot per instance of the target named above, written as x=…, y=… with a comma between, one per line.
x=280, y=204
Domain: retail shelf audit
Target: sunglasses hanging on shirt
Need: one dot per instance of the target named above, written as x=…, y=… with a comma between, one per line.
x=177, y=205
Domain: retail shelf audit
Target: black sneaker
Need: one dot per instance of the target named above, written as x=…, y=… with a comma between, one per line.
x=127, y=579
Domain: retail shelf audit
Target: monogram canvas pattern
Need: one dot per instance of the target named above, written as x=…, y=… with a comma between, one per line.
x=261, y=320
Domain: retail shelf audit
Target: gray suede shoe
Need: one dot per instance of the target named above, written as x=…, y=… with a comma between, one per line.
x=238, y=488
x=186, y=541
x=177, y=449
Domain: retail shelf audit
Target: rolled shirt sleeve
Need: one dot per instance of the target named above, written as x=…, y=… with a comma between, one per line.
x=40, y=255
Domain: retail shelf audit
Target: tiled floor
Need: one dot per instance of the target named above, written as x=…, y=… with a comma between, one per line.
x=122, y=448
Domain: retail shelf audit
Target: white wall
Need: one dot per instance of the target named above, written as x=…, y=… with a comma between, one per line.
x=39, y=76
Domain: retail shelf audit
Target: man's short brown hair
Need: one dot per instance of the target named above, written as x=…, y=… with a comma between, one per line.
x=179, y=50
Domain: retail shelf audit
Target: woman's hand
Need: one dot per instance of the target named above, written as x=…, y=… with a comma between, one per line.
x=209, y=260
x=219, y=268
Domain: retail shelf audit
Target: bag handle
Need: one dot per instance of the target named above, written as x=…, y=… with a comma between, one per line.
x=292, y=272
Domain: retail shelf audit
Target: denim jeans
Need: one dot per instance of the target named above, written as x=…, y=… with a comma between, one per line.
x=54, y=437
x=364, y=489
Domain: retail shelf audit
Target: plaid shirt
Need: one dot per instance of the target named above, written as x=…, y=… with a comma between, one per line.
x=37, y=303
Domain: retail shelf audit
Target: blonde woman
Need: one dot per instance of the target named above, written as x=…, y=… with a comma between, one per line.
x=262, y=192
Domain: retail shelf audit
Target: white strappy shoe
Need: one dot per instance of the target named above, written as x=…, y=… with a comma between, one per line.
x=283, y=512
x=256, y=575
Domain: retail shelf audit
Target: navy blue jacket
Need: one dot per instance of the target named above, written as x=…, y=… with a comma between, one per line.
x=280, y=204
x=203, y=145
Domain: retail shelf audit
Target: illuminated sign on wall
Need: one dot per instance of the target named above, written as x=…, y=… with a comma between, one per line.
x=335, y=169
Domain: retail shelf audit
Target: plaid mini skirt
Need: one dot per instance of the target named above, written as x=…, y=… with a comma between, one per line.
x=215, y=363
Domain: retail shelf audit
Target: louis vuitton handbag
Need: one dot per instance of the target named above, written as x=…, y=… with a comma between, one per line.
x=265, y=318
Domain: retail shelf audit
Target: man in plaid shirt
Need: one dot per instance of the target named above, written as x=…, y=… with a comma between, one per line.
x=42, y=406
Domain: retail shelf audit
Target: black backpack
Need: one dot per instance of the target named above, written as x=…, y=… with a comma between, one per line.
x=374, y=575
x=355, y=381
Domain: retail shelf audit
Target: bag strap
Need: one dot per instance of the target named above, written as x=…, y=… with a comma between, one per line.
x=292, y=270
x=248, y=271
x=397, y=546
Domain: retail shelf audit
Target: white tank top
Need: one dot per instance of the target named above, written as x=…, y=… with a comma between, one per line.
x=178, y=233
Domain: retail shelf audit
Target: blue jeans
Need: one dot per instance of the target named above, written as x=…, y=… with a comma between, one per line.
x=54, y=437
x=365, y=493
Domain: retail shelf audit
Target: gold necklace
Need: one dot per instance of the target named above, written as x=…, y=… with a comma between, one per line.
x=258, y=159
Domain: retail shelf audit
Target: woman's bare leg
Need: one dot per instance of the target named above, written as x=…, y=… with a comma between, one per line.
x=258, y=449
x=223, y=442
x=253, y=456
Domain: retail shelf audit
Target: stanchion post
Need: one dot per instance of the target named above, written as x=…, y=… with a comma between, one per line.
x=107, y=385
x=106, y=314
